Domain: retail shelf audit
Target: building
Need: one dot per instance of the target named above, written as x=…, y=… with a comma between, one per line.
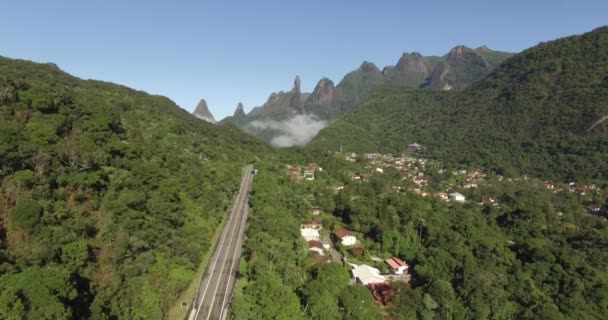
x=316, y=210
x=316, y=246
x=415, y=148
x=311, y=224
x=366, y=275
x=310, y=234
x=397, y=266
x=344, y=237
x=455, y=196
x=309, y=175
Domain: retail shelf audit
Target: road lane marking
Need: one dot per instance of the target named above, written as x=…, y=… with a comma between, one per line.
x=211, y=305
x=220, y=244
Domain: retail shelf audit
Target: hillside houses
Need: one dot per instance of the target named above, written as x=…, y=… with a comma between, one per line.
x=310, y=234
x=316, y=247
x=457, y=197
x=365, y=275
x=397, y=266
x=344, y=237
x=315, y=224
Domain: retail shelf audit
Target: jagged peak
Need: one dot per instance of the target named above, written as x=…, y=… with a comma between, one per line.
x=240, y=111
x=413, y=62
x=202, y=112
x=483, y=48
x=297, y=83
x=459, y=50
x=324, y=82
x=367, y=66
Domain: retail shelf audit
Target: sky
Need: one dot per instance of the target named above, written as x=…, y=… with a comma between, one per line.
x=241, y=51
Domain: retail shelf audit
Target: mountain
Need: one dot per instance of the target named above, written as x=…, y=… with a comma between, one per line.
x=281, y=105
x=110, y=197
x=462, y=67
x=239, y=117
x=541, y=112
x=456, y=70
x=202, y=112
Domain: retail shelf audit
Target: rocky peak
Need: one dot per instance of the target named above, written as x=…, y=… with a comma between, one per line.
x=368, y=67
x=202, y=112
x=296, y=102
x=483, y=49
x=464, y=55
x=297, y=84
x=412, y=62
x=324, y=93
x=240, y=111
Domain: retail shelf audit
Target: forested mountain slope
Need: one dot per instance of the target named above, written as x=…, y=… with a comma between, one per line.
x=109, y=196
x=540, y=113
x=456, y=70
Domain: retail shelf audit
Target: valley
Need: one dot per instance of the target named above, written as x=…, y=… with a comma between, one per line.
x=466, y=185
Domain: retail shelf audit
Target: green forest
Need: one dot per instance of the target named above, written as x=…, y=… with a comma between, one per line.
x=540, y=113
x=521, y=260
x=110, y=196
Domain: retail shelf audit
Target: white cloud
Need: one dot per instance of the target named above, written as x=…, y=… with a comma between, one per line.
x=295, y=131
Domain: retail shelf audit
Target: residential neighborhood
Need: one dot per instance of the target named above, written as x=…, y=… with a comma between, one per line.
x=338, y=244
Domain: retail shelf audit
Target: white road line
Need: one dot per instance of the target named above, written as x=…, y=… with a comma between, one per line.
x=236, y=249
x=219, y=245
x=223, y=266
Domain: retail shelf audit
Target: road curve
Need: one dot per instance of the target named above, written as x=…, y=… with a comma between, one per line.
x=217, y=285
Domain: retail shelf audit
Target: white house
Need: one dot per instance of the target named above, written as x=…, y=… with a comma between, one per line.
x=365, y=275
x=379, y=170
x=316, y=246
x=397, y=265
x=309, y=175
x=455, y=196
x=310, y=234
x=344, y=237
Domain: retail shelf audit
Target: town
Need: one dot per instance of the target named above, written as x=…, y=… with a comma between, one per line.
x=415, y=175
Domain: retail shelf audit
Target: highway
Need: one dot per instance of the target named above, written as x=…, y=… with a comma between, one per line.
x=217, y=285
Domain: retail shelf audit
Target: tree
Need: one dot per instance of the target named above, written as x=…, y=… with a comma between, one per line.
x=25, y=215
x=357, y=303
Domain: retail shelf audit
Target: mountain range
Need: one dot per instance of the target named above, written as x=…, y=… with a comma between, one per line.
x=541, y=112
x=456, y=70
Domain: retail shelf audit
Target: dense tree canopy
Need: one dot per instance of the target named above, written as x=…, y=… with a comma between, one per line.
x=110, y=196
x=542, y=112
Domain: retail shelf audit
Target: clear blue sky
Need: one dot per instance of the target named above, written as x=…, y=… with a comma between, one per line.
x=231, y=51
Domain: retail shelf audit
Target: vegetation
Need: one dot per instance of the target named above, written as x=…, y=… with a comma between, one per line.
x=109, y=196
x=518, y=260
x=541, y=112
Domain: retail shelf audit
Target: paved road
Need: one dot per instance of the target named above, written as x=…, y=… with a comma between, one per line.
x=217, y=285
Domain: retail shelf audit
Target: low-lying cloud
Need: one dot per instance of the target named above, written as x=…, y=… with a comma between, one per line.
x=295, y=131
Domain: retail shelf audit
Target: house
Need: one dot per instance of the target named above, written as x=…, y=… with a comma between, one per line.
x=366, y=275
x=455, y=196
x=397, y=266
x=415, y=148
x=344, y=237
x=442, y=196
x=316, y=246
x=309, y=175
x=593, y=209
x=310, y=234
x=316, y=210
x=311, y=224
x=379, y=170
